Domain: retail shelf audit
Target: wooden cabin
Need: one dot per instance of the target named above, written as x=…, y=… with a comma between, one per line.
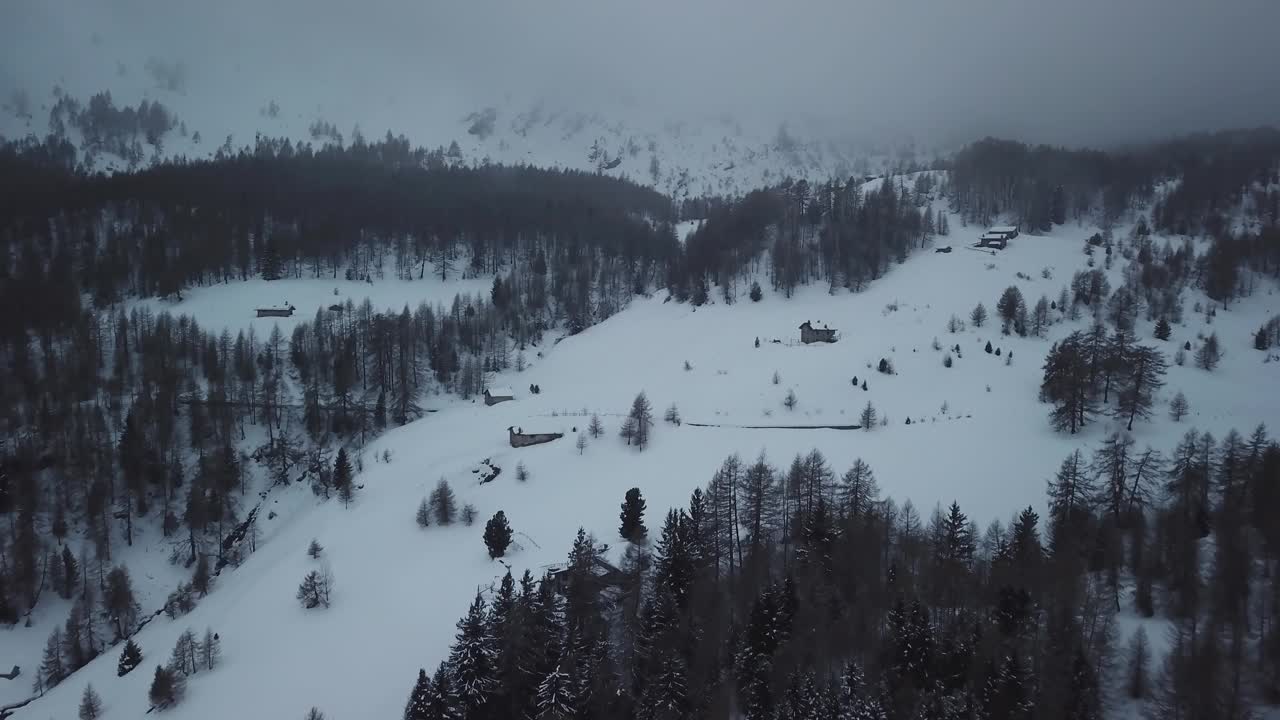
x=519, y=438
x=998, y=236
x=495, y=395
x=285, y=310
x=811, y=334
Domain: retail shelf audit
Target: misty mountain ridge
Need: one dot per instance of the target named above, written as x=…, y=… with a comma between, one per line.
x=688, y=157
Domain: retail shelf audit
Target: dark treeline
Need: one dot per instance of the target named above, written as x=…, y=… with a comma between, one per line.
x=834, y=232
x=803, y=594
x=1211, y=175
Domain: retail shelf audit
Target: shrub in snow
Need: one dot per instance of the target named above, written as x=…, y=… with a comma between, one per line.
x=469, y=513
x=315, y=589
x=314, y=714
x=497, y=535
x=1180, y=357
x=180, y=602
x=672, y=415
x=946, y=360
x=885, y=366
x=776, y=377
x=522, y=472
x=687, y=366
x=790, y=400
x=988, y=348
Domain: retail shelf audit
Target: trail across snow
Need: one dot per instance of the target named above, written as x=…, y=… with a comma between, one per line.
x=399, y=588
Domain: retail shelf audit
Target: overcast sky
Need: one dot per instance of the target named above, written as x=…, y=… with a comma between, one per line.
x=1061, y=71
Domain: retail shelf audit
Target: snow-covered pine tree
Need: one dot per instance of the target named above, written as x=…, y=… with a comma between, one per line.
x=596, y=428
x=130, y=658
x=472, y=659
x=423, y=516
x=418, y=707
x=555, y=698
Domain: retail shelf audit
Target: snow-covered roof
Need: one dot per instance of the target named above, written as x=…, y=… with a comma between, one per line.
x=1004, y=229
x=500, y=392
x=993, y=236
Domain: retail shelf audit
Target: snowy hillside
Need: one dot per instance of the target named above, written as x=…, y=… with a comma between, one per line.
x=235, y=100
x=398, y=587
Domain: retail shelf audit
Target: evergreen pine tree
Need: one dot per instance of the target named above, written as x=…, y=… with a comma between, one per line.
x=1163, y=330
x=641, y=417
x=201, y=577
x=497, y=535
x=423, y=516
x=632, y=527
x=343, y=477
x=442, y=702
x=69, y=573
x=51, y=671
x=1178, y=407
x=868, y=418
x=596, y=429
x=167, y=688
x=1209, y=354
x=315, y=549
x=130, y=658
x=1138, y=662
x=978, y=317
x=210, y=649
x=418, y=707
x=555, y=699
x=444, y=503
x=472, y=659
x=1144, y=375
x=90, y=704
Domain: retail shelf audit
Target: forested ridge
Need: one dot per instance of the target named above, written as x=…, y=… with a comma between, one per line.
x=114, y=416
x=803, y=593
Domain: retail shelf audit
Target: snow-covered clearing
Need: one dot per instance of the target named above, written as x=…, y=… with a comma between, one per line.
x=399, y=588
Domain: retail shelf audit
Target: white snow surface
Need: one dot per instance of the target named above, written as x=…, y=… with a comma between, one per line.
x=399, y=589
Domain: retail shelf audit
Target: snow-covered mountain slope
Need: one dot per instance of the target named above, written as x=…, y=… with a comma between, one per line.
x=239, y=95
x=399, y=588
